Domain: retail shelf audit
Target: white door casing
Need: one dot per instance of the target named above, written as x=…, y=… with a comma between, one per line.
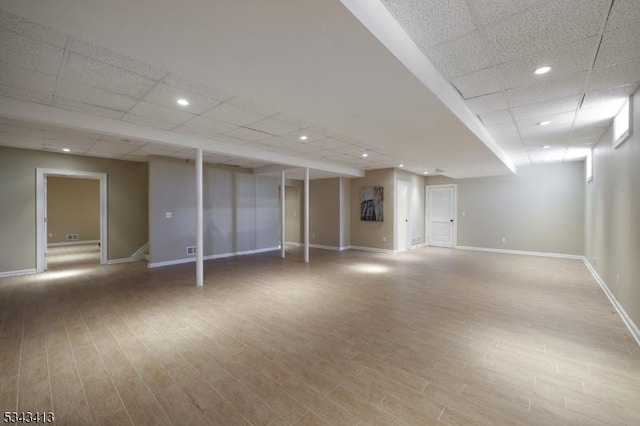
x=441, y=215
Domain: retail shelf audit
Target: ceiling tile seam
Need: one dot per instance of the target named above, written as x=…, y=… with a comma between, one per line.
x=63, y=64
x=593, y=62
x=482, y=32
x=145, y=94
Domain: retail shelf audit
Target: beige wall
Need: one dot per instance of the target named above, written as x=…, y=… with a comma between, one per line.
x=294, y=212
x=373, y=234
x=612, y=229
x=127, y=213
x=324, y=212
x=540, y=209
x=73, y=207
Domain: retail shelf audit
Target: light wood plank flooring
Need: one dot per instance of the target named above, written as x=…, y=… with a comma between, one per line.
x=425, y=337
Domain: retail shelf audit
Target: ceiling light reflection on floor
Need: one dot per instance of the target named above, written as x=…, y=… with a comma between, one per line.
x=368, y=268
x=68, y=273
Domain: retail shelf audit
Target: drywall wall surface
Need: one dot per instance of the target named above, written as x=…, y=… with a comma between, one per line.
x=369, y=233
x=540, y=209
x=127, y=210
x=612, y=228
x=73, y=207
x=324, y=212
x=240, y=210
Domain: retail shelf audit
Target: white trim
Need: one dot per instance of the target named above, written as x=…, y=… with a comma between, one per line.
x=320, y=246
x=123, y=260
x=211, y=257
x=633, y=328
x=522, y=252
x=417, y=246
x=374, y=249
x=73, y=243
x=139, y=254
x=19, y=272
x=41, y=174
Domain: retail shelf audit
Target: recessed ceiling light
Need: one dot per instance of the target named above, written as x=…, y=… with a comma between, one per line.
x=546, y=147
x=66, y=150
x=544, y=123
x=426, y=173
x=401, y=165
x=542, y=70
x=183, y=102
x=303, y=138
x=365, y=155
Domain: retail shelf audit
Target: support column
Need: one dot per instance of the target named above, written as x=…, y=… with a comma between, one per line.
x=282, y=214
x=306, y=215
x=199, y=222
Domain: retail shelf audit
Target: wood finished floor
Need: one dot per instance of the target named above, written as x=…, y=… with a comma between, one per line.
x=356, y=338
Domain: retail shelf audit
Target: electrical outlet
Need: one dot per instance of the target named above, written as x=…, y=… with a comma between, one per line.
x=313, y=236
x=384, y=239
x=168, y=215
x=617, y=280
x=504, y=239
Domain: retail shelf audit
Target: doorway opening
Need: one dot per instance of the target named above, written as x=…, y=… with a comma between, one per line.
x=71, y=222
x=441, y=215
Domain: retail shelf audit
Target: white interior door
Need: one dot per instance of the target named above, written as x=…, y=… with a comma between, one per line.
x=402, y=217
x=441, y=215
x=45, y=227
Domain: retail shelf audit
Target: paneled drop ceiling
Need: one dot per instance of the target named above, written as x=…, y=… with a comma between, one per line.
x=488, y=51
x=258, y=76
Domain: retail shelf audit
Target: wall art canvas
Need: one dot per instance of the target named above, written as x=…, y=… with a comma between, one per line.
x=372, y=203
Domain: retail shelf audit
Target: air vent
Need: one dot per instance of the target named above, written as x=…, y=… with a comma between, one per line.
x=191, y=251
x=72, y=237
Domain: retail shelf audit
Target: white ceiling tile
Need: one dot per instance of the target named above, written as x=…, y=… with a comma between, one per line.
x=559, y=136
x=462, y=55
x=478, y=83
x=329, y=143
x=623, y=13
x=157, y=149
x=616, y=94
x=167, y=96
x=619, y=46
x=158, y=112
x=554, y=106
x=615, y=75
x=146, y=121
x=234, y=115
x=601, y=114
x=569, y=20
x=29, y=53
x=25, y=95
x=587, y=133
x=530, y=125
x=91, y=95
x=547, y=90
x=487, y=11
x=23, y=78
x=73, y=105
x=495, y=117
x=278, y=142
x=104, y=76
x=505, y=130
x=110, y=57
x=311, y=136
x=254, y=107
x=207, y=126
x=272, y=126
x=296, y=122
x=436, y=21
x=247, y=134
x=520, y=35
x=31, y=29
x=192, y=86
x=113, y=148
x=487, y=103
x=564, y=60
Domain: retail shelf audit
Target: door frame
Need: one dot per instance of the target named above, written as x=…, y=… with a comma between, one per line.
x=454, y=200
x=41, y=210
x=396, y=228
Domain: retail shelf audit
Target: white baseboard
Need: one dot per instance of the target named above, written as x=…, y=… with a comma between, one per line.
x=15, y=273
x=521, y=252
x=211, y=257
x=73, y=243
x=136, y=256
x=633, y=328
x=417, y=246
x=293, y=244
x=374, y=249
